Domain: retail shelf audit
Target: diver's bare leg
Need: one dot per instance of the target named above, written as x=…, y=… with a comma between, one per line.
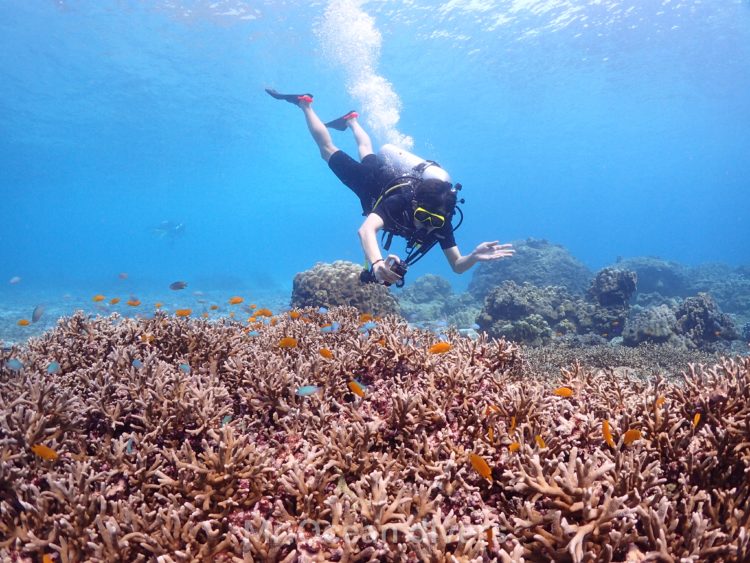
x=318, y=130
x=364, y=144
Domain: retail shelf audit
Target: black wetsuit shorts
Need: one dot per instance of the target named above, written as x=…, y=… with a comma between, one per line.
x=366, y=178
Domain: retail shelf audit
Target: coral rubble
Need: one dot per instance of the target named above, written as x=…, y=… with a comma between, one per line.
x=196, y=445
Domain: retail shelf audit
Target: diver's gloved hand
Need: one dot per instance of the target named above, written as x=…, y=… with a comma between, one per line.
x=382, y=270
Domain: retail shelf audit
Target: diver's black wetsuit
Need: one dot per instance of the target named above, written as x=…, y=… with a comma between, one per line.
x=367, y=179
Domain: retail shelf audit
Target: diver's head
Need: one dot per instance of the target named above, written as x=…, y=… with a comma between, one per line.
x=433, y=204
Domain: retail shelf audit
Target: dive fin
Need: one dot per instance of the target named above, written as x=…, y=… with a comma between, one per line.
x=291, y=98
x=340, y=122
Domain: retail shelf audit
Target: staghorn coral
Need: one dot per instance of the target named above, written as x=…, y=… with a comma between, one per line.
x=226, y=462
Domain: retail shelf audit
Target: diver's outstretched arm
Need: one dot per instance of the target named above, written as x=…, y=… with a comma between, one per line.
x=484, y=252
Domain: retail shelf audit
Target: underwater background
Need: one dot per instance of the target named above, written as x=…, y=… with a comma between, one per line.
x=138, y=146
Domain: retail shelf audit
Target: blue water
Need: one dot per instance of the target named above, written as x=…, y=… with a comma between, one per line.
x=614, y=128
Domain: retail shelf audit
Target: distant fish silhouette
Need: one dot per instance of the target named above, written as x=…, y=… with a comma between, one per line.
x=14, y=280
x=178, y=285
x=169, y=230
x=37, y=314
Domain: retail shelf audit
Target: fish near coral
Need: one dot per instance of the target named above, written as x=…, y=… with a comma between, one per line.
x=540, y=442
x=563, y=392
x=183, y=312
x=37, y=313
x=307, y=390
x=514, y=447
x=696, y=419
x=607, y=433
x=288, y=342
x=98, y=298
x=480, y=466
x=356, y=388
x=440, y=348
x=114, y=301
x=45, y=452
x=133, y=302
x=294, y=315
x=236, y=300
x=631, y=436
x=23, y=322
x=660, y=400
x=326, y=353
x=178, y=285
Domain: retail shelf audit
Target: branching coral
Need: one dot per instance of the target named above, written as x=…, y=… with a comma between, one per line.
x=206, y=448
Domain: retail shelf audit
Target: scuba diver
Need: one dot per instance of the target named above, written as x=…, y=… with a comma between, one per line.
x=401, y=194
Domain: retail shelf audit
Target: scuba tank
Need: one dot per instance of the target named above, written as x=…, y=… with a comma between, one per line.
x=400, y=162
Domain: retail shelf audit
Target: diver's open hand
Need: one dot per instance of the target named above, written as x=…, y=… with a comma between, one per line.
x=492, y=251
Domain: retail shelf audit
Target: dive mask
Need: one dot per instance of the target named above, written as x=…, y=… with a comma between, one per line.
x=427, y=217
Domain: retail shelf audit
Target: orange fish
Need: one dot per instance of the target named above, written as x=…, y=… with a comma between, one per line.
x=563, y=392
x=514, y=447
x=235, y=300
x=480, y=466
x=273, y=322
x=253, y=305
x=440, y=348
x=381, y=342
x=607, y=433
x=114, y=301
x=491, y=434
x=134, y=302
x=512, y=424
x=183, y=312
x=631, y=436
x=157, y=304
x=263, y=313
x=47, y=558
x=540, y=442
x=288, y=342
x=23, y=322
x=294, y=314
x=231, y=315
x=97, y=298
x=251, y=319
x=696, y=419
x=365, y=317
x=44, y=452
x=356, y=388
x=204, y=315
x=660, y=401
x=326, y=353
x=214, y=307
x=147, y=338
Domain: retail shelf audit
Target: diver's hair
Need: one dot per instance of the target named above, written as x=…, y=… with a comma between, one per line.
x=436, y=196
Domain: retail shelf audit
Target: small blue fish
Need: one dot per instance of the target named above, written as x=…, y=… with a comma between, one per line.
x=253, y=333
x=53, y=367
x=185, y=368
x=14, y=364
x=368, y=326
x=475, y=326
x=129, y=447
x=226, y=420
x=137, y=364
x=307, y=390
x=322, y=310
x=333, y=327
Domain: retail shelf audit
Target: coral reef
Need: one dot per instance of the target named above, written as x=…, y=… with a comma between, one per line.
x=695, y=323
x=430, y=302
x=667, y=278
x=612, y=287
x=535, y=315
x=337, y=284
x=205, y=443
x=536, y=261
